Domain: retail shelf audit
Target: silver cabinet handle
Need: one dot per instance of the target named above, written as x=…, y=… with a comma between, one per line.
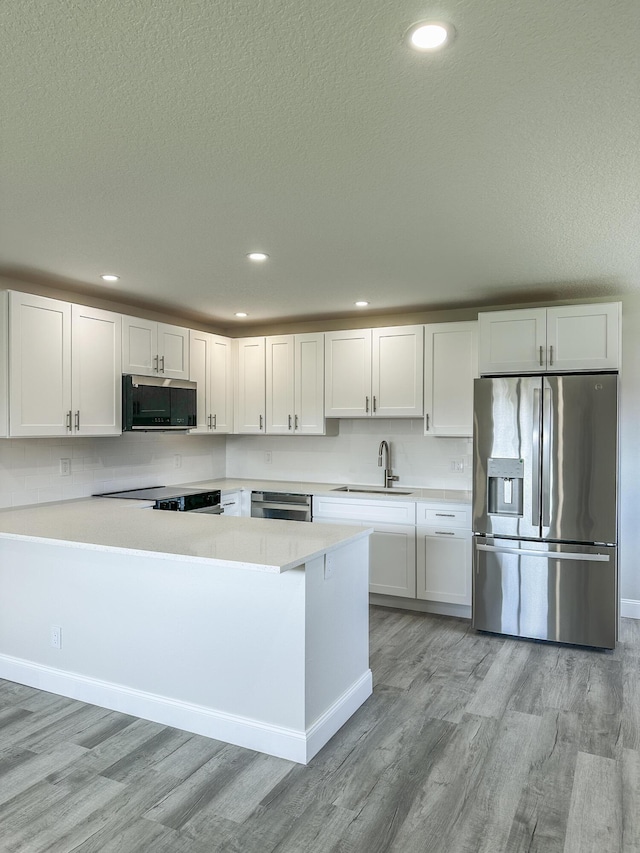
x=162, y=360
x=215, y=421
x=551, y=356
x=295, y=422
x=445, y=533
x=541, y=362
x=374, y=404
x=69, y=420
x=427, y=422
x=155, y=363
x=209, y=421
x=78, y=420
x=445, y=515
x=290, y=422
x=366, y=404
x=260, y=421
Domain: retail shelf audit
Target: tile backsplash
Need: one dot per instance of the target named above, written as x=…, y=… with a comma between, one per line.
x=352, y=455
x=30, y=468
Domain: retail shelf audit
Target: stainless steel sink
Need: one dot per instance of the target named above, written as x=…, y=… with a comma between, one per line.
x=372, y=490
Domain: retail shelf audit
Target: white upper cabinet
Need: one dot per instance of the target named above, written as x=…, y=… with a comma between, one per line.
x=348, y=374
x=450, y=366
x=374, y=372
x=221, y=384
x=210, y=367
x=295, y=384
x=584, y=337
x=154, y=349
x=250, y=388
x=65, y=371
x=534, y=340
x=96, y=371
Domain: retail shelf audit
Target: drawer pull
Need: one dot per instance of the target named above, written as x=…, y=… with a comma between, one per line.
x=446, y=514
x=445, y=533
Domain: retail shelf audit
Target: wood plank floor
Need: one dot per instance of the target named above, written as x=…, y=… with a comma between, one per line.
x=469, y=743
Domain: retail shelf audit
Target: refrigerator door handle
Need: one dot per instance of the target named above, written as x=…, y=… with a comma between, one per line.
x=553, y=555
x=546, y=457
x=535, y=460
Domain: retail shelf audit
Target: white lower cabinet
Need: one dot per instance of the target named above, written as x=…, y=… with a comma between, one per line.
x=429, y=561
x=443, y=564
x=392, y=547
x=232, y=503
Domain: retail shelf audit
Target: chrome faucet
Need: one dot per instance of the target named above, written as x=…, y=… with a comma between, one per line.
x=388, y=476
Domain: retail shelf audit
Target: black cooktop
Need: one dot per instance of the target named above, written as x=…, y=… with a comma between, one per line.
x=155, y=493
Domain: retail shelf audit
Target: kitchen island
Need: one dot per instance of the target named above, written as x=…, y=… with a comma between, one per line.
x=252, y=632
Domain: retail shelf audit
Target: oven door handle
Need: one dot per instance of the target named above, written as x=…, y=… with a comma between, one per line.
x=273, y=505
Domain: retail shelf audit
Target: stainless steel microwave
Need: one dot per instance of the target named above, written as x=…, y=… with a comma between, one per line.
x=155, y=403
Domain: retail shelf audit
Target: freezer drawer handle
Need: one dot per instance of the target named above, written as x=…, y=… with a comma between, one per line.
x=554, y=555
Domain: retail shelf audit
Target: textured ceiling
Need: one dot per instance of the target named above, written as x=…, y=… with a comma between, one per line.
x=163, y=140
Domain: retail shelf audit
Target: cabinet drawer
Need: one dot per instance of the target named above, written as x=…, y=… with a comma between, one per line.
x=447, y=516
x=350, y=509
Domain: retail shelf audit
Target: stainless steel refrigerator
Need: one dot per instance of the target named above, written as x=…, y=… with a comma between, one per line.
x=545, y=519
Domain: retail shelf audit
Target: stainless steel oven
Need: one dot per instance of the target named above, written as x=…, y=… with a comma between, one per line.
x=287, y=506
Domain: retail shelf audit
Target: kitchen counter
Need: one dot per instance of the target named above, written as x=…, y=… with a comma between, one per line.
x=248, y=631
x=311, y=488
x=131, y=527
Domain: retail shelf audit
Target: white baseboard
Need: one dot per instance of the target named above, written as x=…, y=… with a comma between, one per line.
x=294, y=745
x=630, y=608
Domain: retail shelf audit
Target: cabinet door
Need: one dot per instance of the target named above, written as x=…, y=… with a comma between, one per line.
x=173, y=351
x=221, y=385
x=139, y=346
x=450, y=366
x=250, y=385
x=513, y=341
x=96, y=371
x=309, y=385
x=232, y=504
x=444, y=565
x=200, y=346
x=398, y=372
x=279, y=384
x=39, y=365
x=348, y=374
x=392, y=560
x=583, y=337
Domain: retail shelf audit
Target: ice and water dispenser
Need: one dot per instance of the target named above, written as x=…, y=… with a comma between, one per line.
x=505, y=488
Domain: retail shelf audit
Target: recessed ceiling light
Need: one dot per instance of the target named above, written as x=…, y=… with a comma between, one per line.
x=257, y=256
x=240, y=314
x=362, y=304
x=110, y=277
x=429, y=35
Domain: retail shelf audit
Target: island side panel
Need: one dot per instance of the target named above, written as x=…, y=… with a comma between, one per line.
x=338, y=677
x=228, y=640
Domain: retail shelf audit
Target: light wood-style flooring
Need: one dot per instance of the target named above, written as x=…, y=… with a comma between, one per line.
x=469, y=743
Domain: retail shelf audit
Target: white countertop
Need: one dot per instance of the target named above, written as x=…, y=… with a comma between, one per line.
x=329, y=489
x=132, y=527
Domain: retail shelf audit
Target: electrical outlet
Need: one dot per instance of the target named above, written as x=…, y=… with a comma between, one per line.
x=56, y=636
x=177, y=460
x=329, y=564
x=267, y=457
x=65, y=467
x=457, y=465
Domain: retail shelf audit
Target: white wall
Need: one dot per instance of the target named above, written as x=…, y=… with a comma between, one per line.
x=30, y=468
x=630, y=452
x=352, y=456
